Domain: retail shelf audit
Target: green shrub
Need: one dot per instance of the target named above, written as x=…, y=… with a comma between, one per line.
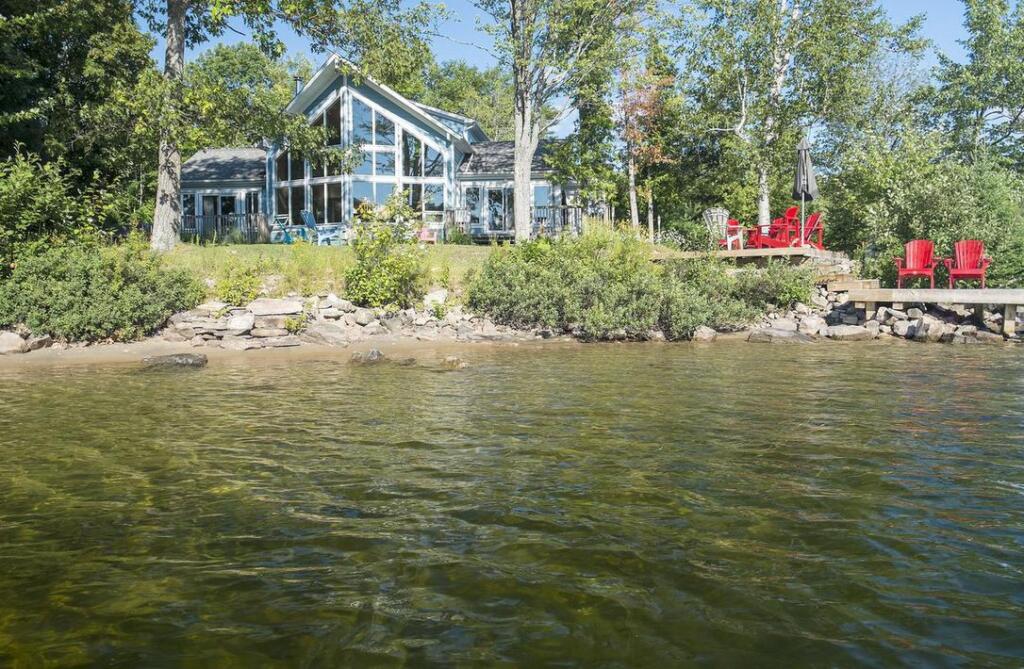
x=87, y=291
x=703, y=292
x=36, y=201
x=389, y=267
x=778, y=284
x=457, y=236
x=239, y=282
x=597, y=284
x=604, y=284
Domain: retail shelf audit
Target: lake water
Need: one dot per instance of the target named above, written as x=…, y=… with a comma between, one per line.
x=605, y=505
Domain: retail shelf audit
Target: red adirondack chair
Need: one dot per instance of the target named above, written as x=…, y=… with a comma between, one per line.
x=969, y=262
x=814, y=231
x=791, y=217
x=920, y=261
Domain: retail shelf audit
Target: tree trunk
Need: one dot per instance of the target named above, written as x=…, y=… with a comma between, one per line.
x=764, y=211
x=167, y=216
x=525, y=148
x=650, y=213
x=634, y=213
x=526, y=122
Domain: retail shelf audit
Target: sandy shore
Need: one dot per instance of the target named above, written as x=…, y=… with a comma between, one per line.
x=131, y=354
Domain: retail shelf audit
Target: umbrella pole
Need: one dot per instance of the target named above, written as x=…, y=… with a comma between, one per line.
x=802, y=219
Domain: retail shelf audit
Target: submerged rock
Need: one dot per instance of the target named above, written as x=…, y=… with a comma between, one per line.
x=773, y=336
x=370, y=357
x=704, y=334
x=454, y=362
x=193, y=360
x=850, y=333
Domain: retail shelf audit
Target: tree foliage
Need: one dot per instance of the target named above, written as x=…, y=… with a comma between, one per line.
x=980, y=102
x=483, y=94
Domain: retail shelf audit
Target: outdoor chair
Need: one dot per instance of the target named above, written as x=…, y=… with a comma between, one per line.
x=814, y=232
x=968, y=262
x=325, y=235
x=789, y=219
x=734, y=232
x=427, y=235
x=919, y=260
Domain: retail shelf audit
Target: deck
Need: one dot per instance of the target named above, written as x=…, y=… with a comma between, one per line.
x=1009, y=298
x=756, y=254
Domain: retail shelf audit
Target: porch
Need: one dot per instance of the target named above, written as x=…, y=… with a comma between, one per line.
x=251, y=228
x=496, y=225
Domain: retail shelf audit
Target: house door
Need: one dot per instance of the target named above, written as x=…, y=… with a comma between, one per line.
x=500, y=209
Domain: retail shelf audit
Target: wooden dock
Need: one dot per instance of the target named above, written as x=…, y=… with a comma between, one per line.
x=1011, y=299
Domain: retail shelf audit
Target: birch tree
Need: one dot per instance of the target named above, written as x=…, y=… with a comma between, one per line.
x=767, y=70
x=550, y=46
x=346, y=25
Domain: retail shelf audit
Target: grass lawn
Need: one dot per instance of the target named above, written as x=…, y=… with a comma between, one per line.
x=307, y=269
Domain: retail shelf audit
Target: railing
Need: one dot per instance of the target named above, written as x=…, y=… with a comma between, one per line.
x=240, y=228
x=550, y=221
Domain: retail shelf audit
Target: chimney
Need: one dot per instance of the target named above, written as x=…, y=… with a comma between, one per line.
x=298, y=84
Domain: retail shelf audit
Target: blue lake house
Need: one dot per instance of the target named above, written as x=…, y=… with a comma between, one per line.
x=450, y=171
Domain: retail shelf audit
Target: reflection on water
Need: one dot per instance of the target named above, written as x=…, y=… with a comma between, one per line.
x=620, y=505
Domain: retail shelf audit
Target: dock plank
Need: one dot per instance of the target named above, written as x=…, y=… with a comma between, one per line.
x=1013, y=296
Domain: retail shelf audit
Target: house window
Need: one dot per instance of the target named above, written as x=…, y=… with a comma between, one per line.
x=281, y=201
x=298, y=204
x=542, y=196
x=416, y=196
x=433, y=163
x=334, y=124
x=433, y=197
x=298, y=168
x=227, y=205
x=252, y=203
x=334, y=208
x=319, y=210
x=412, y=155
x=384, y=133
x=365, y=168
x=281, y=166
x=383, y=192
x=362, y=193
x=188, y=205
x=385, y=163
x=362, y=122
x=473, y=205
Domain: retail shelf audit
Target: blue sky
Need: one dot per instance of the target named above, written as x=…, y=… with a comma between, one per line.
x=943, y=25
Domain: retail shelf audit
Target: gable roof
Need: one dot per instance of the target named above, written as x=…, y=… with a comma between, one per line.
x=468, y=122
x=227, y=164
x=498, y=158
x=327, y=73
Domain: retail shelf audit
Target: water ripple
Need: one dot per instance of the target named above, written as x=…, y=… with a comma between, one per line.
x=578, y=506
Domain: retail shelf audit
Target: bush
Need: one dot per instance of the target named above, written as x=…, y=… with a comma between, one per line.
x=389, y=266
x=599, y=284
x=604, y=284
x=36, y=201
x=240, y=282
x=87, y=291
x=457, y=236
x=778, y=284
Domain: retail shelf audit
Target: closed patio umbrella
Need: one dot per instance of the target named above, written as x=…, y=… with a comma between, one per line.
x=805, y=187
